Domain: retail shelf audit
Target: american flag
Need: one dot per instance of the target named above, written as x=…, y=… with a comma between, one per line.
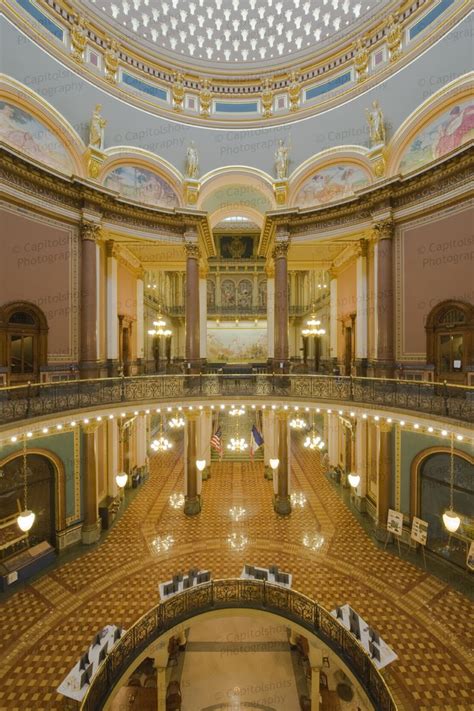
x=216, y=440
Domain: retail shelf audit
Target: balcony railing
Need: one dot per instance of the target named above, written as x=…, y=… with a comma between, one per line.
x=247, y=594
x=43, y=399
x=234, y=311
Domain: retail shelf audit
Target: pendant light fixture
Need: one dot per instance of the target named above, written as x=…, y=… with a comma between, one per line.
x=237, y=443
x=26, y=518
x=313, y=440
x=162, y=443
x=450, y=519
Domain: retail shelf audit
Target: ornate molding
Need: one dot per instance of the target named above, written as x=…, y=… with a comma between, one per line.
x=280, y=250
x=192, y=250
x=90, y=231
x=384, y=229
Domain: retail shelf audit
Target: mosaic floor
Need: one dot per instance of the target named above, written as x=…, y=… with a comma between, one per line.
x=45, y=627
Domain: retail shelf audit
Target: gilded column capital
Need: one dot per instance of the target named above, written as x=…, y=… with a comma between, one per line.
x=192, y=250
x=91, y=231
x=332, y=273
x=90, y=427
x=361, y=249
x=203, y=271
x=383, y=229
x=384, y=426
x=270, y=271
x=282, y=415
x=112, y=249
x=280, y=250
x=111, y=61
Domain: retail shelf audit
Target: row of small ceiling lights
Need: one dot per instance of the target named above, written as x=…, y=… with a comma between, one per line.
x=169, y=409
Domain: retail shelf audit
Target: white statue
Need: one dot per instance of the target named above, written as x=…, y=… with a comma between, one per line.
x=96, y=130
x=281, y=161
x=376, y=124
x=192, y=161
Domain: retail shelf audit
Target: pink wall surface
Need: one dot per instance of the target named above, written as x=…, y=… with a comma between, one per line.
x=346, y=302
x=436, y=263
x=35, y=266
x=127, y=292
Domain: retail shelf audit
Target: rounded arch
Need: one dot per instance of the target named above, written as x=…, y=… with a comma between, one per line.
x=415, y=469
x=439, y=102
x=445, y=318
x=59, y=480
x=23, y=340
x=230, y=211
x=149, y=170
x=352, y=162
x=231, y=177
x=68, y=155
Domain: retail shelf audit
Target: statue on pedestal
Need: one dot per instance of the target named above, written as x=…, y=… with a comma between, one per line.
x=96, y=130
x=192, y=162
x=376, y=124
x=281, y=161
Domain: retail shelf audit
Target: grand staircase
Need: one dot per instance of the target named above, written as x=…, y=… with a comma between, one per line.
x=229, y=429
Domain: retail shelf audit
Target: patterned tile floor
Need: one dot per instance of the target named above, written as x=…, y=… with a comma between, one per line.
x=46, y=626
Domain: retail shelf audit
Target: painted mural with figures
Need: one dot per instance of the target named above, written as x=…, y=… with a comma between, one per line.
x=24, y=132
x=237, y=344
x=449, y=131
x=335, y=182
x=142, y=185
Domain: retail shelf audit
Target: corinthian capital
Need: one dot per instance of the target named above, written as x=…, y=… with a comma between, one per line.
x=192, y=250
x=383, y=229
x=91, y=231
x=280, y=250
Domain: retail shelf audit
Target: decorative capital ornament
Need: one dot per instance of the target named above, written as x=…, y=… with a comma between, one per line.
x=280, y=250
x=361, y=59
x=394, y=38
x=383, y=229
x=205, y=98
x=294, y=90
x=177, y=91
x=78, y=36
x=192, y=250
x=111, y=62
x=267, y=97
x=90, y=231
x=280, y=190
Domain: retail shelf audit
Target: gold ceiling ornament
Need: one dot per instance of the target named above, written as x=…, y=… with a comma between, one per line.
x=267, y=97
x=294, y=90
x=177, y=91
x=111, y=62
x=78, y=36
x=205, y=98
x=361, y=59
x=394, y=37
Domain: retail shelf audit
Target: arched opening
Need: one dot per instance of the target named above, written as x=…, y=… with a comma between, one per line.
x=432, y=476
x=450, y=340
x=23, y=337
x=40, y=474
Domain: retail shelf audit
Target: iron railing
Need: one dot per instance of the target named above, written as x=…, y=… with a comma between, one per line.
x=43, y=399
x=236, y=593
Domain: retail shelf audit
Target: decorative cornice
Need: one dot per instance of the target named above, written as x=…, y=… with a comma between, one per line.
x=289, y=80
x=90, y=231
x=385, y=229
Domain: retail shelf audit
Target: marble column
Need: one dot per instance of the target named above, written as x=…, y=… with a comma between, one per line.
x=280, y=256
x=140, y=329
x=112, y=311
x=204, y=432
x=333, y=323
x=316, y=662
x=361, y=324
x=282, y=503
x=90, y=235
x=361, y=456
x=384, y=297
x=333, y=439
x=270, y=314
x=161, y=688
x=384, y=473
x=91, y=522
x=113, y=464
x=270, y=439
x=203, y=314
x=192, y=305
x=192, y=501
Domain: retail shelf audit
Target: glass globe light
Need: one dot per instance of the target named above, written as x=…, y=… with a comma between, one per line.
x=354, y=479
x=200, y=464
x=121, y=478
x=26, y=520
x=274, y=463
x=451, y=521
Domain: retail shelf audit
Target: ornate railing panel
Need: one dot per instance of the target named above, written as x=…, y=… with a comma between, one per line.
x=27, y=401
x=236, y=593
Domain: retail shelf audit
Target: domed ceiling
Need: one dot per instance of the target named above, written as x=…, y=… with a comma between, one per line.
x=242, y=34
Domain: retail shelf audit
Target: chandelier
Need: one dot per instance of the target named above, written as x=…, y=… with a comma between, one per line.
x=313, y=440
x=297, y=423
x=160, y=327
x=26, y=518
x=313, y=327
x=237, y=411
x=176, y=500
x=161, y=443
x=237, y=443
x=298, y=499
x=450, y=519
x=237, y=541
x=177, y=422
x=237, y=512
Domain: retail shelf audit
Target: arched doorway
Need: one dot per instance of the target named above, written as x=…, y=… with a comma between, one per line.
x=23, y=341
x=433, y=476
x=450, y=340
x=43, y=482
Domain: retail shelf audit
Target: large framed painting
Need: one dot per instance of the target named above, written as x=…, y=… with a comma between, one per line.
x=228, y=343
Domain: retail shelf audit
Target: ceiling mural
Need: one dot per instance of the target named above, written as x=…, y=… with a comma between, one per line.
x=448, y=131
x=21, y=130
x=335, y=182
x=142, y=185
